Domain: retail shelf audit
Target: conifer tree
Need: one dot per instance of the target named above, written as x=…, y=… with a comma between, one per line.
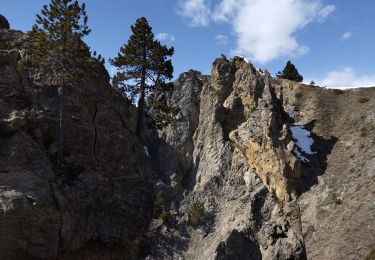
x=56, y=42
x=143, y=66
x=290, y=72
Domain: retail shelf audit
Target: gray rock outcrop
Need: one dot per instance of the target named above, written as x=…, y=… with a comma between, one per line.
x=100, y=202
x=265, y=195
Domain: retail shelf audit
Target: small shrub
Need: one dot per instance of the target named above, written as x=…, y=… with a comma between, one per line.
x=298, y=95
x=196, y=213
x=149, y=235
x=2, y=45
x=371, y=255
x=165, y=216
x=338, y=92
x=135, y=245
x=363, y=100
x=159, y=200
x=312, y=83
x=336, y=199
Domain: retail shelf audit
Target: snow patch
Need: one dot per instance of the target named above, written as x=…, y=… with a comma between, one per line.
x=243, y=58
x=146, y=150
x=303, y=141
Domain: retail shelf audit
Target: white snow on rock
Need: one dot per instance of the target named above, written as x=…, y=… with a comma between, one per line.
x=243, y=58
x=146, y=150
x=303, y=141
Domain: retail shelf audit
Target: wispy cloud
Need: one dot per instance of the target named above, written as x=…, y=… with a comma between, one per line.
x=196, y=11
x=265, y=29
x=347, y=78
x=325, y=12
x=347, y=36
x=165, y=37
x=221, y=39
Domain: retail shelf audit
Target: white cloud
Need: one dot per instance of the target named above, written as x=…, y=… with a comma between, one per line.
x=196, y=11
x=221, y=39
x=223, y=10
x=347, y=78
x=165, y=37
x=265, y=29
x=346, y=36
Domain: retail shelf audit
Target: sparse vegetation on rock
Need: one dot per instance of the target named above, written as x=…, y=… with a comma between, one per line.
x=196, y=213
x=371, y=255
x=363, y=100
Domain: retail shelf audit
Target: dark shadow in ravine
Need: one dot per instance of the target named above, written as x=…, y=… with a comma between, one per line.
x=318, y=161
x=238, y=245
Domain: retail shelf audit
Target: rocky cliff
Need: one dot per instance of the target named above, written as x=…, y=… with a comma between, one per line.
x=97, y=204
x=280, y=170
x=252, y=167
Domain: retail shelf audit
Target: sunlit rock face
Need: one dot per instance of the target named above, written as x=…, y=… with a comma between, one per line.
x=275, y=164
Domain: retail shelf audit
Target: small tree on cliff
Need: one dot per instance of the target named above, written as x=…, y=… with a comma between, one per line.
x=143, y=66
x=55, y=43
x=290, y=72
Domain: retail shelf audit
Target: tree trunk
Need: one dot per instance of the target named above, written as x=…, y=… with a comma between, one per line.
x=141, y=101
x=60, y=148
x=140, y=113
x=141, y=104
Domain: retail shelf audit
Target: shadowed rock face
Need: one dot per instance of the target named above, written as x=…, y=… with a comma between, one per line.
x=4, y=24
x=100, y=201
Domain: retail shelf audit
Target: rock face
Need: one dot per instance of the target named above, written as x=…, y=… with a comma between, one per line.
x=252, y=167
x=100, y=202
x=267, y=192
x=4, y=24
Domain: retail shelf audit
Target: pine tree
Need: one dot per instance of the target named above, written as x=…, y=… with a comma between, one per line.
x=56, y=42
x=290, y=72
x=143, y=66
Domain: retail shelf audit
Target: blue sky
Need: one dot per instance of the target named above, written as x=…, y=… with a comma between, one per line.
x=330, y=41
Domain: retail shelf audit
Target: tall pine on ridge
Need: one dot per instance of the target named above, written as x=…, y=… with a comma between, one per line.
x=290, y=72
x=143, y=66
x=56, y=42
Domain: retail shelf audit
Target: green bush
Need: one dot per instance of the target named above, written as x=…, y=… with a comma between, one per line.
x=159, y=200
x=149, y=235
x=371, y=255
x=165, y=216
x=298, y=94
x=196, y=213
x=2, y=45
x=363, y=100
x=338, y=91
